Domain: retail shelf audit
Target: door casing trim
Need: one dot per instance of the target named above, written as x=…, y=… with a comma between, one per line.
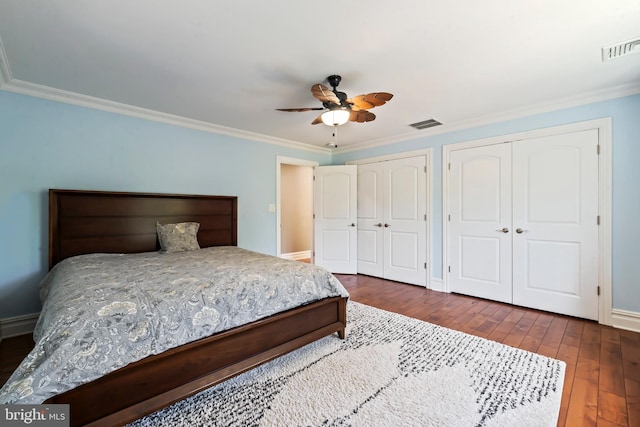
x=604, y=199
x=280, y=160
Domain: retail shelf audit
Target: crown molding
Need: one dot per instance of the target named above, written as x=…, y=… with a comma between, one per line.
x=8, y=83
x=59, y=95
x=545, y=107
x=52, y=94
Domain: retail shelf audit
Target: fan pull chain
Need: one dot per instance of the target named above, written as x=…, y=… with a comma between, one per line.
x=335, y=137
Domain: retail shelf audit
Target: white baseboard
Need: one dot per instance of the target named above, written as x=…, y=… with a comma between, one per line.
x=623, y=319
x=297, y=255
x=22, y=325
x=437, y=284
x=18, y=325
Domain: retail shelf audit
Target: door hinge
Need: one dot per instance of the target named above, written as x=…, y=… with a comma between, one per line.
x=598, y=221
x=425, y=169
x=598, y=149
x=449, y=217
x=598, y=290
x=314, y=216
x=425, y=265
x=449, y=166
x=425, y=217
x=449, y=269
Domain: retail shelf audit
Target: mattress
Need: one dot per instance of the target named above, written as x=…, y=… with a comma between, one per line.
x=102, y=312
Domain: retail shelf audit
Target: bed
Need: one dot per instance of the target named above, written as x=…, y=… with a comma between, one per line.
x=103, y=223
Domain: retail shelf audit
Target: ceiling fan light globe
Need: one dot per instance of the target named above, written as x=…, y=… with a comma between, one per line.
x=336, y=117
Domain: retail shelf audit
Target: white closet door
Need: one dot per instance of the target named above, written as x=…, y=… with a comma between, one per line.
x=335, y=237
x=370, y=219
x=555, y=209
x=480, y=222
x=404, y=220
x=392, y=227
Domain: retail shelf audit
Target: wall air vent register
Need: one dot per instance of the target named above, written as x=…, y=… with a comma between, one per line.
x=425, y=124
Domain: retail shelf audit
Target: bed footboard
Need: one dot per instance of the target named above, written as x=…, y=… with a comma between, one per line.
x=158, y=381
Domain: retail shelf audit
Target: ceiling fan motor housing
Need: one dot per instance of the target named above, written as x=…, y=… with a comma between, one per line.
x=334, y=81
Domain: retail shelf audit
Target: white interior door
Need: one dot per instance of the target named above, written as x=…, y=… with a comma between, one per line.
x=480, y=222
x=555, y=212
x=392, y=223
x=524, y=223
x=405, y=225
x=335, y=217
x=371, y=219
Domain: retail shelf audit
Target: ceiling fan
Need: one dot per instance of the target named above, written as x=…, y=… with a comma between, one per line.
x=339, y=108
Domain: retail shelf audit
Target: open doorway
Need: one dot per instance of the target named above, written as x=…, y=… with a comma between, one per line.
x=295, y=208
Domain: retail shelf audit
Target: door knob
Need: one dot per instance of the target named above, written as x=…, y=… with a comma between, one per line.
x=520, y=230
x=387, y=225
x=378, y=224
x=352, y=225
x=504, y=230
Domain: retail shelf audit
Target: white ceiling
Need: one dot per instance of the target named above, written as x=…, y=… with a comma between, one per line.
x=228, y=65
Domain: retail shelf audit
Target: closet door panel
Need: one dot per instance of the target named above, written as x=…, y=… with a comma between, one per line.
x=392, y=227
x=370, y=219
x=524, y=223
x=556, y=208
x=404, y=220
x=480, y=222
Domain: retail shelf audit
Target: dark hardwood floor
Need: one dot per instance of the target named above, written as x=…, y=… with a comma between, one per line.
x=12, y=351
x=602, y=381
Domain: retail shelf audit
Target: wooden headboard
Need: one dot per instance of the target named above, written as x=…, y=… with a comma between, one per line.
x=82, y=222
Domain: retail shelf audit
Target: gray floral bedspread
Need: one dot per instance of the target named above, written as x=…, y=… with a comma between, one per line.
x=103, y=311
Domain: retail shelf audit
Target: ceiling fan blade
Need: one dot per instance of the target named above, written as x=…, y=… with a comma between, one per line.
x=361, y=116
x=318, y=120
x=324, y=94
x=370, y=100
x=299, y=110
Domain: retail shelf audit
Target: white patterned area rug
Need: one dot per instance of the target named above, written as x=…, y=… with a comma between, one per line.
x=391, y=370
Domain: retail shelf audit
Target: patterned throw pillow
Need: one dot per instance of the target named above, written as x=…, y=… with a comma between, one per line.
x=178, y=237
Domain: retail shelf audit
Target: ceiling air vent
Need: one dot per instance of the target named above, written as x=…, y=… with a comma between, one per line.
x=425, y=124
x=620, y=49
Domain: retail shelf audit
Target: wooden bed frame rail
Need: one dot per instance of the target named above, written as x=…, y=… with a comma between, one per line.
x=158, y=381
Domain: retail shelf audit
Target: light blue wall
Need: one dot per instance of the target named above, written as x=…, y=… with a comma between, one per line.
x=625, y=114
x=45, y=144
